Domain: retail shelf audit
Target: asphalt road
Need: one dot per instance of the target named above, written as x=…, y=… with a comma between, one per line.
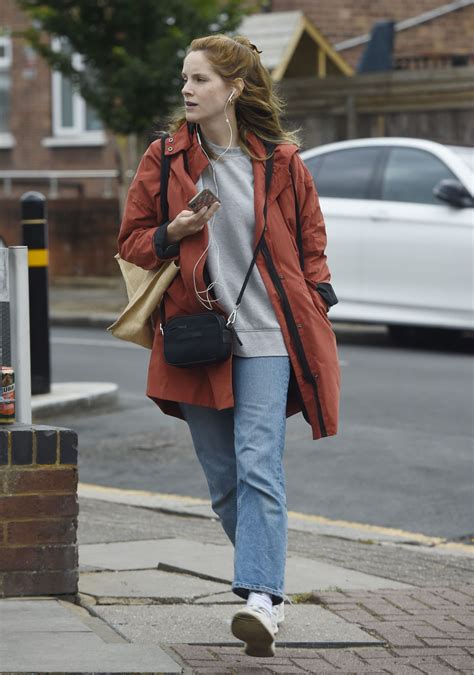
x=402, y=458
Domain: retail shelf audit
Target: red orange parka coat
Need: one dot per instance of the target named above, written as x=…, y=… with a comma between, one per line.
x=300, y=309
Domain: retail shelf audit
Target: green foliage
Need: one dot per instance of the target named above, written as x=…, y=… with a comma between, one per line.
x=132, y=50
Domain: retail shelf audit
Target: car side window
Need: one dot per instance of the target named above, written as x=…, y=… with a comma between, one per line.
x=344, y=173
x=411, y=174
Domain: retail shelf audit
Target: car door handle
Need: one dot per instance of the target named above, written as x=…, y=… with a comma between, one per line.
x=379, y=215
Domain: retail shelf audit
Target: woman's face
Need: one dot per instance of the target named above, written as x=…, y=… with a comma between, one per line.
x=205, y=92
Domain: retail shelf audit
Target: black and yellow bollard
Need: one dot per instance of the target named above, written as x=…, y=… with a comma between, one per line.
x=35, y=236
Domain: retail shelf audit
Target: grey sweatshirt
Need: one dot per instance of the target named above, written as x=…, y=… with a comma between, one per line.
x=231, y=252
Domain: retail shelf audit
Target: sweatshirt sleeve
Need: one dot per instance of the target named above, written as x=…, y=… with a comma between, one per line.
x=141, y=239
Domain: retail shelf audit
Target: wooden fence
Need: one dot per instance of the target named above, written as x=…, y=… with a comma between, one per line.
x=432, y=104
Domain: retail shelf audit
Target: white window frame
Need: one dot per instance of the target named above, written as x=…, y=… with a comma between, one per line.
x=76, y=135
x=6, y=61
x=7, y=140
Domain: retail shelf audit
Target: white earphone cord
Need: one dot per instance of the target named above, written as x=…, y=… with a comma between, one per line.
x=207, y=301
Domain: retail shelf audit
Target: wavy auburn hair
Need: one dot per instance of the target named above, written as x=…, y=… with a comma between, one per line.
x=258, y=108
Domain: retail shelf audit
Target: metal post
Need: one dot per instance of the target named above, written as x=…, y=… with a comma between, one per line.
x=20, y=330
x=5, y=341
x=35, y=236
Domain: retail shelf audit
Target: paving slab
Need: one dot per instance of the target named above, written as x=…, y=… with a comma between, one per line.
x=207, y=560
x=303, y=575
x=23, y=616
x=38, y=636
x=139, y=555
x=305, y=625
x=164, y=587
x=216, y=562
x=228, y=598
x=52, y=653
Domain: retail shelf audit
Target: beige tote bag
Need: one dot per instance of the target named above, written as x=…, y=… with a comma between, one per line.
x=145, y=289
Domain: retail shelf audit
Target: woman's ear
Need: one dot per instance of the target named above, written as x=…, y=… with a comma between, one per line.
x=239, y=85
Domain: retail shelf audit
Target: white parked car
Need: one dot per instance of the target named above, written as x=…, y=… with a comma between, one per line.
x=400, y=222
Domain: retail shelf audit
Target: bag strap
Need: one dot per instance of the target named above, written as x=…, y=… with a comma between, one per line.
x=269, y=147
x=164, y=177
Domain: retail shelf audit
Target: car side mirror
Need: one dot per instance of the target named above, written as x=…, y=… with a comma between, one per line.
x=453, y=192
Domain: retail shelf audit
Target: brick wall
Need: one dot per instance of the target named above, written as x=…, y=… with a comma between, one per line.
x=451, y=33
x=38, y=511
x=342, y=19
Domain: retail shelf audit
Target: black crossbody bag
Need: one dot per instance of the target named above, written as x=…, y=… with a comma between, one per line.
x=206, y=338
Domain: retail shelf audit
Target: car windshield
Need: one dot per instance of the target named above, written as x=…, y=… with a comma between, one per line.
x=466, y=154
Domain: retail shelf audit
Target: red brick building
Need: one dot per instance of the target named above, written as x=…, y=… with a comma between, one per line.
x=429, y=33
x=50, y=140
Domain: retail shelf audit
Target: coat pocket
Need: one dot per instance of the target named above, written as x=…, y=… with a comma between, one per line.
x=325, y=291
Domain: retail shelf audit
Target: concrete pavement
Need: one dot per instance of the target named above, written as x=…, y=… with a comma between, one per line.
x=155, y=576
x=154, y=596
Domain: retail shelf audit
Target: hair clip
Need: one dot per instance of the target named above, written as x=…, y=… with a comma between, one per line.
x=259, y=51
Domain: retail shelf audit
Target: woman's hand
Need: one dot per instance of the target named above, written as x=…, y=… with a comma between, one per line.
x=188, y=222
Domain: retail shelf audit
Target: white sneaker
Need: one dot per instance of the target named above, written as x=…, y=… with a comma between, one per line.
x=278, y=612
x=256, y=626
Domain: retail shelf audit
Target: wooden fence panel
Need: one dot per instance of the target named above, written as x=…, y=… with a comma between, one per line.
x=433, y=104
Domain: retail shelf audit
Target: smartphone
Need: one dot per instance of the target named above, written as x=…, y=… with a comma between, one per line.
x=204, y=198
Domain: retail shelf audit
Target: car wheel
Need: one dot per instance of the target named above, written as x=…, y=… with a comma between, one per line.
x=421, y=336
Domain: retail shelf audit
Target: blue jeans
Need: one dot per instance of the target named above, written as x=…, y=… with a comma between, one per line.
x=241, y=452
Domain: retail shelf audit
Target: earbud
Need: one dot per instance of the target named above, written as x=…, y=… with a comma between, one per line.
x=203, y=296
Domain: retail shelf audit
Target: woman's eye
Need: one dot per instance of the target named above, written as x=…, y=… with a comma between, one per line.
x=196, y=79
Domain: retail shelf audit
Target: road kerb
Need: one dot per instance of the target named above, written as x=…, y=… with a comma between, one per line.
x=197, y=507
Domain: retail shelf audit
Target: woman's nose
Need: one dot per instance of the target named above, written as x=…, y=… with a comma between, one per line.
x=185, y=89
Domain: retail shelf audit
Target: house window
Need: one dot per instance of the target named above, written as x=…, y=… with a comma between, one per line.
x=5, y=80
x=74, y=121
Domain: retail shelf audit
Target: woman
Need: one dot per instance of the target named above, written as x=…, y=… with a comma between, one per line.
x=285, y=357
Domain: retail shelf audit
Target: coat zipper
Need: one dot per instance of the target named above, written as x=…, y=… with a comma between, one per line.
x=293, y=329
